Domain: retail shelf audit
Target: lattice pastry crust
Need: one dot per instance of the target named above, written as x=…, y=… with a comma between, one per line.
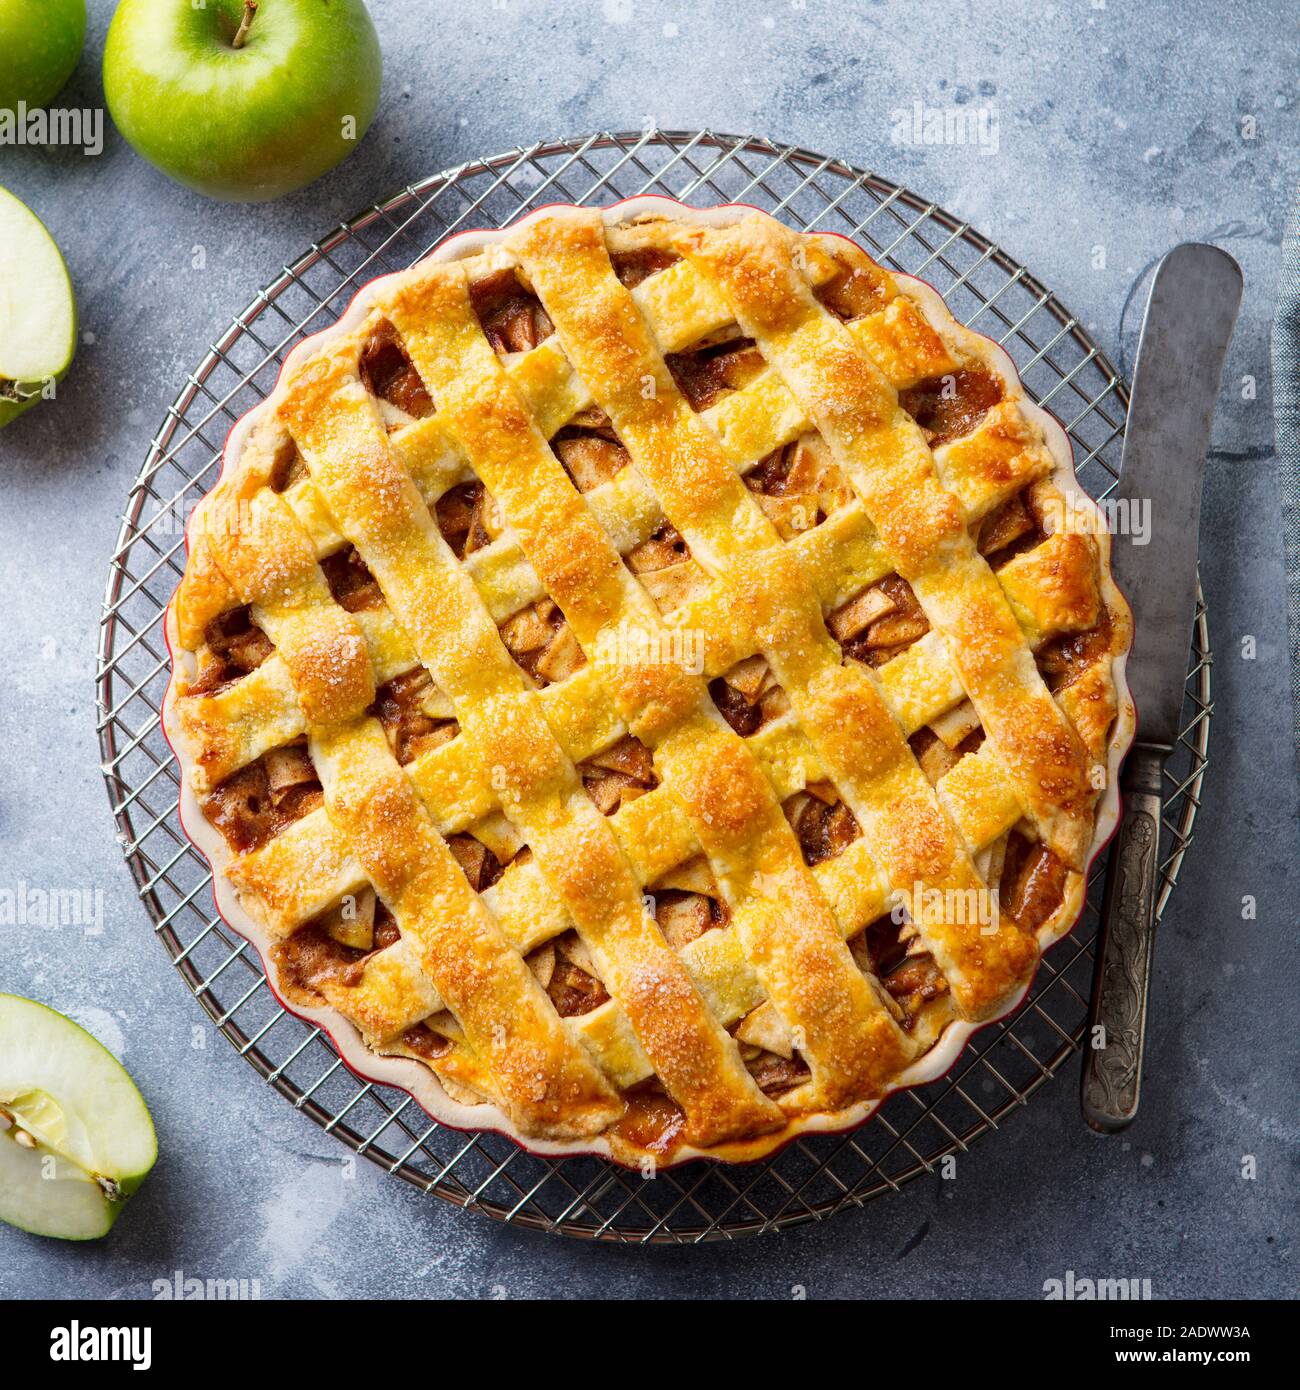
x=620, y=665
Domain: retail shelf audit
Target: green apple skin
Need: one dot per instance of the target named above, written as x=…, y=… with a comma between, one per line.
x=40, y=42
x=11, y=410
x=38, y=309
x=82, y=1120
x=242, y=124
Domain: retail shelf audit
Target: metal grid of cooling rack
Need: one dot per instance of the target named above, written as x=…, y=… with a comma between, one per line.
x=814, y=1177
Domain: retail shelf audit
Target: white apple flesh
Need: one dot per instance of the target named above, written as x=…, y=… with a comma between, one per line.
x=38, y=312
x=76, y=1139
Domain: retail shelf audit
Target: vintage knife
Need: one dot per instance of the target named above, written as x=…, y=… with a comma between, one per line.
x=1189, y=319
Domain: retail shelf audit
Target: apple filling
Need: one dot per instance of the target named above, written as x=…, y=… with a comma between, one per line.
x=233, y=645
x=1067, y=657
x=416, y=715
x=799, y=485
x=424, y=1042
x=664, y=548
x=688, y=903
x=334, y=949
x=880, y=622
x=938, y=755
x=822, y=823
x=684, y=916
x=950, y=406
x=641, y=263
x=335, y=946
x=1032, y=884
x=1007, y=531
x=350, y=581
x=768, y=1051
x=654, y=1123
x=894, y=953
x=481, y=867
x=666, y=570
x=255, y=804
x=511, y=316
x=651, y=1122
x=388, y=373
x=565, y=970
x=774, y=1074
x=289, y=466
x=618, y=775
x=590, y=450
x=711, y=370
x=860, y=288
x=468, y=518
x=541, y=642
x=748, y=696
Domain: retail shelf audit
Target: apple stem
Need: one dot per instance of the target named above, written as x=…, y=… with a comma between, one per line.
x=245, y=24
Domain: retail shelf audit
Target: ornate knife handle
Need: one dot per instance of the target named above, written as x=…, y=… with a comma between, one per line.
x=1112, y=1057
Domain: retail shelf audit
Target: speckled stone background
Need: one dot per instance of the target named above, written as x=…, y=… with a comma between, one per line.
x=1121, y=125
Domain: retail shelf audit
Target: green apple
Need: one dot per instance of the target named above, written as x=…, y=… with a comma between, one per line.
x=241, y=100
x=75, y=1138
x=38, y=312
x=40, y=42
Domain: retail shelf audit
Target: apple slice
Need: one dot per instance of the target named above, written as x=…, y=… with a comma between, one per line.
x=75, y=1137
x=38, y=311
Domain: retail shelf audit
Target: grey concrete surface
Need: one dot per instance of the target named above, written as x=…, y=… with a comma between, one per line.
x=1127, y=126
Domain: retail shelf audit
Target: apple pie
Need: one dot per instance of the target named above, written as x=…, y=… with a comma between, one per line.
x=648, y=682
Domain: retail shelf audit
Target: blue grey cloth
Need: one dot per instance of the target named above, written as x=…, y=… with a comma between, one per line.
x=1286, y=414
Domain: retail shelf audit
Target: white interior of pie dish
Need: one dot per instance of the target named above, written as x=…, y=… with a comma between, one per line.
x=416, y=1078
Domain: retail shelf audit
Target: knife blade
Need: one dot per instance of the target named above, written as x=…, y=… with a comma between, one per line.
x=1189, y=320
x=1190, y=314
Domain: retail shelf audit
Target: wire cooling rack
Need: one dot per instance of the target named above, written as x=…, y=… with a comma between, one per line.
x=814, y=1177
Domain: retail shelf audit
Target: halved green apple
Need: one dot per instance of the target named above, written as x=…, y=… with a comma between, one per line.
x=76, y=1139
x=38, y=311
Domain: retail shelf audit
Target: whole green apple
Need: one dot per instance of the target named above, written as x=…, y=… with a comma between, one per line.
x=38, y=313
x=40, y=42
x=241, y=100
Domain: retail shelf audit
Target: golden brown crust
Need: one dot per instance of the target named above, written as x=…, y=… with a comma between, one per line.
x=836, y=340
